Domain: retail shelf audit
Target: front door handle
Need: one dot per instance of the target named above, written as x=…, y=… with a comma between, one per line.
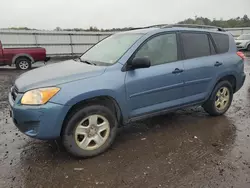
x=176, y=71
x=217, y=64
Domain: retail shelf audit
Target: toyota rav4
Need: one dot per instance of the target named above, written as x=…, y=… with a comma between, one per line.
x=126, y=77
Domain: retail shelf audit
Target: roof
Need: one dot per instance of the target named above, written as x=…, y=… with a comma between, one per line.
x=160, y=28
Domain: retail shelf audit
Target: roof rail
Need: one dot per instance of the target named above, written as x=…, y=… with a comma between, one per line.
x=181, y=25
x=147, y=27
x=195, y=26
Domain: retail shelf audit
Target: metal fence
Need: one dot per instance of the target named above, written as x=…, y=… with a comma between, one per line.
x=56, y=43
x=61, y=43
x=238, y=31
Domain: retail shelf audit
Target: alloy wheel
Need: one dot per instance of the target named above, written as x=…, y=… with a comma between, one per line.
x=222, y=99
x=92, y=132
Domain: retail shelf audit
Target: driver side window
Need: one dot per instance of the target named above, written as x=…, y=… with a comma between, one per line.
x=160, y=49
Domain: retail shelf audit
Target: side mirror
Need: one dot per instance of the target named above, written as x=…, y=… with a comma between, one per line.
x=141, y=62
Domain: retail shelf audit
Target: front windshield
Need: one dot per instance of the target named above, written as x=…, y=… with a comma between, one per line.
x=109, y=50
x=244, y=37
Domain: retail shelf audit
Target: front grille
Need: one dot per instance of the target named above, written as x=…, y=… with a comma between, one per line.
x=14, y=92
x=238, y=43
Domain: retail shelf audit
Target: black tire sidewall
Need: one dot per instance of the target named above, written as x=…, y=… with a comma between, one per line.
x=23, y=59
x=68, y=137
x=210, y=104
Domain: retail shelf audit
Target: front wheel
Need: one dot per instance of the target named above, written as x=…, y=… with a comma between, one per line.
x=220, y=99
x=90, y=131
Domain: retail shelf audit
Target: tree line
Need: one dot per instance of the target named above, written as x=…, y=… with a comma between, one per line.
x=231, y=23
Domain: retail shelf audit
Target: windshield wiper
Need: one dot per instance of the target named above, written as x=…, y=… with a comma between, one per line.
x=85, y=61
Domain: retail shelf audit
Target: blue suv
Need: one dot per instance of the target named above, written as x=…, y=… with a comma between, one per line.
x=127, y=77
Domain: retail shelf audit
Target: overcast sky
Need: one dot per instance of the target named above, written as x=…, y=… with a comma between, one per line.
x=48, y=14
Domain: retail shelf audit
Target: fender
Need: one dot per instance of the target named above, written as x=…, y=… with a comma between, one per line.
x=119, y=98
x=21, y=55
x=220, y=76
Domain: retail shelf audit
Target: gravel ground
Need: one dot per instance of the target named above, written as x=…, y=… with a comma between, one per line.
x=186, y=148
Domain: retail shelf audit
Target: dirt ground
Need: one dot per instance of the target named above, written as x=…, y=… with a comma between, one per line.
x=186, y=148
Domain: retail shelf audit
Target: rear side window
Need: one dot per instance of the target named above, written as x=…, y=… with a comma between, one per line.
x=195, y=45
x=221, y=42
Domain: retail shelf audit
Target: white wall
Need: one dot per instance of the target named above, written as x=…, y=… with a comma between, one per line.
x=55, y=43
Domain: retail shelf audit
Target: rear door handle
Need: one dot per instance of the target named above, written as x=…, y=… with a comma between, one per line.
x=176, y=71
x=217, y=64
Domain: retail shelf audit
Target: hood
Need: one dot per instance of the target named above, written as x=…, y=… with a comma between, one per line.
x=56, y=74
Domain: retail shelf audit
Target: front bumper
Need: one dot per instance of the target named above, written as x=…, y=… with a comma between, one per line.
x=41, y=122
x=241, y=47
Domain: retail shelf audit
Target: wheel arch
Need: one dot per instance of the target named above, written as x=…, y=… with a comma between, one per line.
x=105, y=100
x=248, y=45
x=231, y=78
x=22, y=56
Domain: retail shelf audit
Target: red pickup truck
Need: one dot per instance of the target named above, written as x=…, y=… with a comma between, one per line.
x=22, y=58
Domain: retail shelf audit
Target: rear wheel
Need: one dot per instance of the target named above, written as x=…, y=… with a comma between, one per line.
x=220, y=99
x=23, y=63
x=90, y=131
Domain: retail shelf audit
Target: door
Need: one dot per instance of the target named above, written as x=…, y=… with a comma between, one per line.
x=161, y=85
x=200, y=63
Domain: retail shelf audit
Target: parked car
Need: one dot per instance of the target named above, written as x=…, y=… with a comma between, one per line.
x=126, y=77
x=22, y=58
x=243, y=42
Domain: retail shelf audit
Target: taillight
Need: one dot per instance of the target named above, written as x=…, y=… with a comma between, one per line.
x=241, y=55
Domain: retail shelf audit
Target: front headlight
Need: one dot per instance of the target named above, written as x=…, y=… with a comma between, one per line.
x=39, y=96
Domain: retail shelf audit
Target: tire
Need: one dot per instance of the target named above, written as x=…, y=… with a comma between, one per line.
x=23, y=63
x=73, y=139
x=210, y=105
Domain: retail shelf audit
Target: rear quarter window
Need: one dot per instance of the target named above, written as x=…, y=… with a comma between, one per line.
x=221, y=42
